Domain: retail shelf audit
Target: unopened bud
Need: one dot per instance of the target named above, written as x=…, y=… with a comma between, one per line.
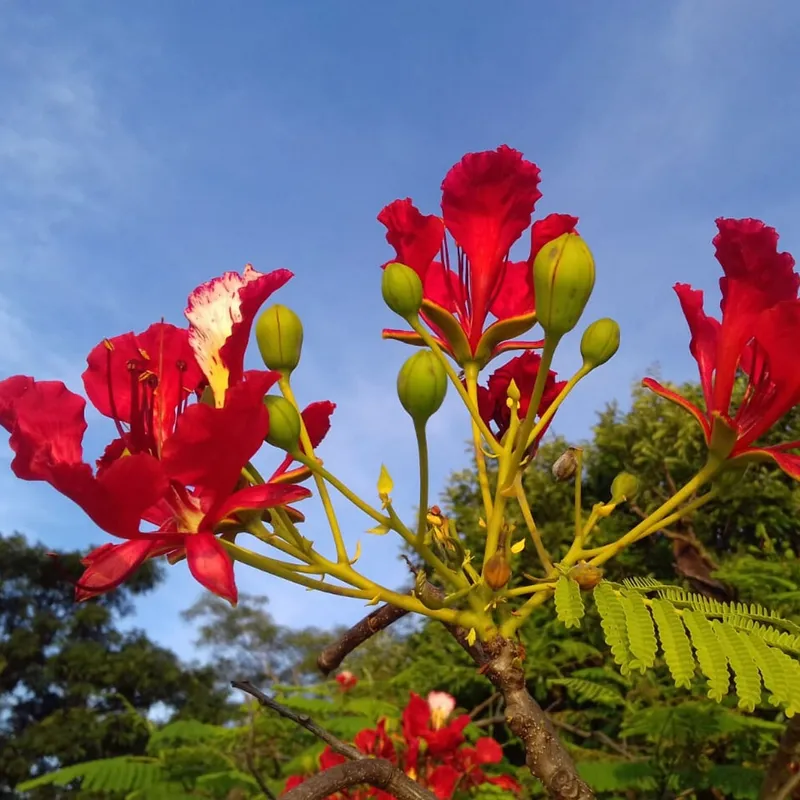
x=284, y=423
x=563, y=279
x=279, y=333
x=600, y=342
x=430, y=596
x=402, y=289
x=566, y=465
x=422, y=385
x=624, y=487
x=497, y=572
x=586, y=575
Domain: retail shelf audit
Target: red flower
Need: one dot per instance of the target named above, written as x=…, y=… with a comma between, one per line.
x=346, y=680
x=376, y=743
x=175, y=466
x=523, y=370
x=487, y=203
x=758, y=333
x=417, y=718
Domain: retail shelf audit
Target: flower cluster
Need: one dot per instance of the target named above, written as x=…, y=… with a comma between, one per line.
x=188, y=419
x=428, y=748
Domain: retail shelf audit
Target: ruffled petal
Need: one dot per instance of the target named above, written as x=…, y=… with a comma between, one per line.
x=488, y=750
x=211, y=566
x=549, y=228
x=221, y=314
x=515, y=297
x=317, y=419
x=487, y=202
x=757, y=277
x=415, y=237
x=110, y=564
x=255, y=498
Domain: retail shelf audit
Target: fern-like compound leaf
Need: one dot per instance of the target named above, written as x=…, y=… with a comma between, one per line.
x=674, y=642
x=590, y=691
x=569, y=603
x=771, y=669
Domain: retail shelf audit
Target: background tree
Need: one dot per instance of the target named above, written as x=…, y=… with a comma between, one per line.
x=74, y=687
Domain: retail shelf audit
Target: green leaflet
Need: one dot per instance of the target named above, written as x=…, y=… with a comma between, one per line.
x=569, y=603
x=710, y=654
x=745, y=671
x=674, y=642
x=612, y=618
x=589, y=691
x=641, y=632
x=120, y=774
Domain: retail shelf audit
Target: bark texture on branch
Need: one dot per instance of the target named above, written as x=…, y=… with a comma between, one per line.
x=377, y=772
x=380, y=619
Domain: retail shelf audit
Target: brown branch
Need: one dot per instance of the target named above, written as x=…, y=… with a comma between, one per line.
x=599, y=735
x=376, y=772
x=380, y=619
x=483, y=704
x=778, y=772
x=545, y=756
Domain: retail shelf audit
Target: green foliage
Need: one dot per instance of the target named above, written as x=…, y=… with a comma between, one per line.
x=569, y=604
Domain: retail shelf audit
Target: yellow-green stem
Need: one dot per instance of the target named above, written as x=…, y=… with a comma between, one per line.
x=472, y=407
x=471, y=378
x=422, y=450
x=653, y=521
x=260, y=531
x=526, y=427
x=533, y=588
x=322, y=489
x=513, y=624
x=541, y=550
x=578, y=488
x=317, y=469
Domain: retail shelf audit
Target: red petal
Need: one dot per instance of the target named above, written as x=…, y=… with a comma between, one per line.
x=488, y=750
x=757, y=277
x=416, y=238
x=776, y=390
x=788, y=462
x=416, y=717
x=487, y=202
x=515, y=298
x=212, y=445
x=162, y=350
x=110, y=564
x=443, y=287
x=317, y=419
x=505, y=782
x=330, y=759
x=256, y=498
x=669, y=394
x=442, y=781
x=549, y=228
x=211, y=566
x=703, y=346
x=47, y=424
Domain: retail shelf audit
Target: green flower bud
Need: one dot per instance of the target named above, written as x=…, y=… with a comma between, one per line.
x=624, y=487
x=563, y=279
x=284, y=423
x=422, y=385
x=279, y=333
x=600, y=342
x=402, y=290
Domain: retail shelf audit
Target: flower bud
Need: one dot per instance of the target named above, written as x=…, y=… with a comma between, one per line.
x=279, y=333
x=586, y=575
x=422, y=385
x=600, y=342
x=497, y=572
x=566, y=465
x=624, y=487
x=563, y=279
x=284, y=423
x=402, y=289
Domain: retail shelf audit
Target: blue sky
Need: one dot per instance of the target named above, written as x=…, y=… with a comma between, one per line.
x=146, y=147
